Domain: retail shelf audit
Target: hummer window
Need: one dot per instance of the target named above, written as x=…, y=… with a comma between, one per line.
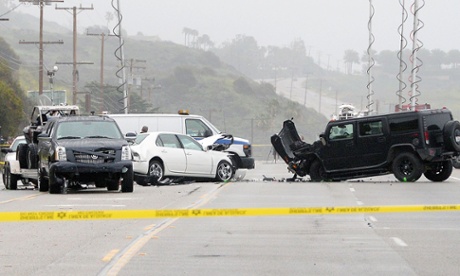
x=370, y=128
x=342, y=131
x=403, y=125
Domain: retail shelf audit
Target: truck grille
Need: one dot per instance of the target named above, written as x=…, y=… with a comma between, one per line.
x=99, y=157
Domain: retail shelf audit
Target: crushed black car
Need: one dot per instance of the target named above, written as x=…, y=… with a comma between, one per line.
x=407, y=144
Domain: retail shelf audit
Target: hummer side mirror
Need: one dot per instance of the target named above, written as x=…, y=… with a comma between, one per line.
x=322, y=139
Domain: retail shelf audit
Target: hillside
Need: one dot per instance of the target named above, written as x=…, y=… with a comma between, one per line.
x=164, y=77
x=172, y=77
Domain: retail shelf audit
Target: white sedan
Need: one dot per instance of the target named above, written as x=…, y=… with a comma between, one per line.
x=158, y=156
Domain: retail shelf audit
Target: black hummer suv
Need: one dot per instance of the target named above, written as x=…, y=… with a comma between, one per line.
x=75, y=150
x=407, y=144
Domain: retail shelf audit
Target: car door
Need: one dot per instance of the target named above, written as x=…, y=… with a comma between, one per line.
x=45, y=146
x=372, y=146
x=172, y=153
x=340, y=150
x=199, y=162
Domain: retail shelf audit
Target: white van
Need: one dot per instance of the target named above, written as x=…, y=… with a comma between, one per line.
x=193, y=125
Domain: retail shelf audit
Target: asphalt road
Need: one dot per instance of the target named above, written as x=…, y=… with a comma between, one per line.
x=347, y=244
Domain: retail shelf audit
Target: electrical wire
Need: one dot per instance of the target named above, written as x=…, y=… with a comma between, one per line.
x=7, y=12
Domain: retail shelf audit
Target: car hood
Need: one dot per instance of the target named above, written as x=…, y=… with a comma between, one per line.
x=218, y=142
x=92, y=143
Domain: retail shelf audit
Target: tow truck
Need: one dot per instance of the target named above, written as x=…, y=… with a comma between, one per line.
x=25, y=166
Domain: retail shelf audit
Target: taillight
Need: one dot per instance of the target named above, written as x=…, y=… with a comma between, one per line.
x=427, y=138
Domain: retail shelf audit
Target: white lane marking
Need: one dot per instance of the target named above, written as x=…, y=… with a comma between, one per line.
x=101, y=198
x=372, y=218
x=359, y=202
x=399, y=242
x=456, y=178
x=352, y=189
x=86, y=205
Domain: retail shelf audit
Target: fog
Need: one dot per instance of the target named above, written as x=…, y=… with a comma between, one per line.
x=328, y=28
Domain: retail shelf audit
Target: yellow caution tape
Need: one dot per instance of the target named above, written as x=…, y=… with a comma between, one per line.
x=199, y=213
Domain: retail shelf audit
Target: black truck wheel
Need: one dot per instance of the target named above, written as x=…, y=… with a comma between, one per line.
x=317, y=173
x=43, y=184
x=407, y=167
x=451, y=133
x=127, y=184
x=113, y=184
x=32, y=156
x=56, y=183
x=22, y=155
x=439, y=171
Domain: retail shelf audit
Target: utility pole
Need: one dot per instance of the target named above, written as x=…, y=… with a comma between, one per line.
x=74, y=72
x=102, y=35
x=41, y=3
x=131, y=75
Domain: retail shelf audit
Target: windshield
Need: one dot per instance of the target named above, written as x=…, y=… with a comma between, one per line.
x=88, y=129
x=140, y=137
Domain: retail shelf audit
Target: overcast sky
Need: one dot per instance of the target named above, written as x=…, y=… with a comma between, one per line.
x=328, y=27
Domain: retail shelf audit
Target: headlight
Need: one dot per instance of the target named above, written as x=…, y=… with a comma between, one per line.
x=136, y=156
x=125, y=153
x=59, y=154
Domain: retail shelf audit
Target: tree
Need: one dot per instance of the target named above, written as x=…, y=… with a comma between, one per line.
x=194, y=34
x=187, y=32
x=204, y=42
x=244, y=54
x=438, y=58
x=350, y=57
x=454, y=57
x=11, y=110
x=387, y=60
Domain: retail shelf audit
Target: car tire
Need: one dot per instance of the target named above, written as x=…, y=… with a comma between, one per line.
x=11, y=180
x=56, y=184
x=127, y=184
x=224, y=171
x=456, y=162
x=32, y=156
x=4, y=174
x=43, y=184
x=451, y=133
x=22, y=155
x=439, y=172
x=407, y=167
x=113, y=184
x=156, y=172
x=317, y=173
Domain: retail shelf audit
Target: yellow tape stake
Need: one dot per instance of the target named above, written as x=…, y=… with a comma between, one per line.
x=199, y=213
